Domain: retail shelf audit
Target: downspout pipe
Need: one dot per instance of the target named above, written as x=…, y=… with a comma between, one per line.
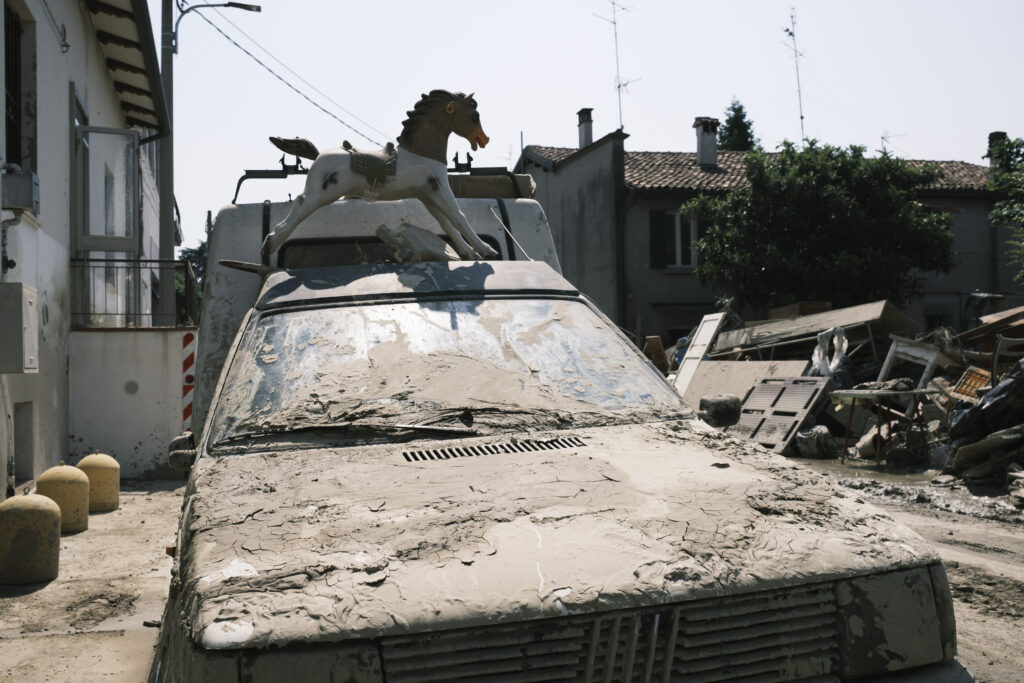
x=6, y=263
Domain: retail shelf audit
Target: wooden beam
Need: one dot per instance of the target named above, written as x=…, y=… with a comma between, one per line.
x=121, y=86
x=100, y=7
x=114, y=39
x=117, y=65
x=129, y=107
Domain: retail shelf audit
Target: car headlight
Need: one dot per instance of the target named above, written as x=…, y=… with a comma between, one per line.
x=895, y=621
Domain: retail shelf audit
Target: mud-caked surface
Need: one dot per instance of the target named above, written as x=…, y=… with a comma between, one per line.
x=329, y=544
x=98, y=620
x=979, y=535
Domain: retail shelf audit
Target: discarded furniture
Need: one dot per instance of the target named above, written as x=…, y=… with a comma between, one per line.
x=1006, y=352
x=917, y=352
x=1001, y=322
x=882, y=402
x=970, y=384
x=862, y=324
x=775, y=408
x=654, y=349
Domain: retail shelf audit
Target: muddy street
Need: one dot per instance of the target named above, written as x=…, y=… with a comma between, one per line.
x=98, y=620
x=980, y=538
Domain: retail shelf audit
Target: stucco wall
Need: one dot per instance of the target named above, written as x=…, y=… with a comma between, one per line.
x=660, y=300
x=579, y=200
x=41, y=245
x=983, y=265
x=126, y=390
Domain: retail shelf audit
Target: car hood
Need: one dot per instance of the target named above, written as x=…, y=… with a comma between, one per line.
x=335, y=544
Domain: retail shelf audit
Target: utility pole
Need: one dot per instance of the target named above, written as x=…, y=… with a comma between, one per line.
x=791, y=32
x=168, y=48
x=167, y=304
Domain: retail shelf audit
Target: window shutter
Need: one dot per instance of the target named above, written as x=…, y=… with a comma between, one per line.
x=663, y=242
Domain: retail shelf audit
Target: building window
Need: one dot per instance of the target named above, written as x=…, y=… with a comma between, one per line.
x=12, y=84
x=674, y=240
x=19, y=88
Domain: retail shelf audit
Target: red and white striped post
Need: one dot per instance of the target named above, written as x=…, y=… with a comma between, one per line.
x=188, y=378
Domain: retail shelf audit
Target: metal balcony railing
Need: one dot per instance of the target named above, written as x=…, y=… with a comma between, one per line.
x=113, y=293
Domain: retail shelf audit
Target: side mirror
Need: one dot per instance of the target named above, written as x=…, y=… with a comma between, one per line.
x=182, y=452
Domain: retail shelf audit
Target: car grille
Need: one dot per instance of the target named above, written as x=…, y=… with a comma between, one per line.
x=519, y=446
x=778, y=635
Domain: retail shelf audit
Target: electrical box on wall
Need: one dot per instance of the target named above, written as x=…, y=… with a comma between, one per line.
x=19, y=328
x=21, y=191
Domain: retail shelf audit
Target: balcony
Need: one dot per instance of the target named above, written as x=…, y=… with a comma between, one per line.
x=126, y=293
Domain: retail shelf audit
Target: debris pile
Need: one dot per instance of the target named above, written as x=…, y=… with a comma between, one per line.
x=863, y=383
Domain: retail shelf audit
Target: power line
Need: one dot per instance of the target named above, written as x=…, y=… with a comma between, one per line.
x=297, y=75
x=290, y=86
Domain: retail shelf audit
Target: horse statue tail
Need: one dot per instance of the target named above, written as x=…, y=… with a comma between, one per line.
x=300, y=147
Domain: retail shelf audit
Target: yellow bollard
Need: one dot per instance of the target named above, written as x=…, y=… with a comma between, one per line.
x=29, y=539
x=104, y=481
x=69, y=488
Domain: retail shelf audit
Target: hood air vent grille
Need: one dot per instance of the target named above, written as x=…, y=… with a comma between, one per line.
x=523, y=446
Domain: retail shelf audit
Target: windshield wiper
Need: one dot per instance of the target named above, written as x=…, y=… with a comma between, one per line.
x=369, y=428
x=438, y=428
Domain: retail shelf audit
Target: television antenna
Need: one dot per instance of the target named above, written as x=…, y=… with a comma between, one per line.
x=887, y=136
x=791, y=32
x=614, y=21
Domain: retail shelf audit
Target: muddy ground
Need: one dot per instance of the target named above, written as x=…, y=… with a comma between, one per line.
x=980, y=537
x=99, y=620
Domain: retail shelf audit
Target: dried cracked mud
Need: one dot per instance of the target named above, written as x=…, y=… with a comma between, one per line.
x=980, y=538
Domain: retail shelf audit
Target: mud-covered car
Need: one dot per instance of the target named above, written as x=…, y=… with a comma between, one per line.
x=464, y=471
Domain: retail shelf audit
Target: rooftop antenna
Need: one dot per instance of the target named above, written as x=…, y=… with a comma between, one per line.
x=614, y=21
x=791, y=32
x=887, y=136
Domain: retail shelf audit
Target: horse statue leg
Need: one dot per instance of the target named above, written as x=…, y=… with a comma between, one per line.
x=441, y=204
x=322, y=188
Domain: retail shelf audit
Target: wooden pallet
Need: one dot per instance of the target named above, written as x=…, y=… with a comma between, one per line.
x=775, y=407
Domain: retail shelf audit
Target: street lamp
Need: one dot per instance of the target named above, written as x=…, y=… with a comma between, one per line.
x=237, y=5
x=169, y=48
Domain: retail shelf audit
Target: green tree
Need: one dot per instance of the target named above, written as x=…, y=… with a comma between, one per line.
x=822, y=223
x=1008, y=179
x=737, y=133
x=196, y=258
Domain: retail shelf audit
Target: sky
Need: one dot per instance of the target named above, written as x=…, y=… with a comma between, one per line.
x=934, y=78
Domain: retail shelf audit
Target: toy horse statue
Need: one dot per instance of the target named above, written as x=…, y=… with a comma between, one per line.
x=416, y=169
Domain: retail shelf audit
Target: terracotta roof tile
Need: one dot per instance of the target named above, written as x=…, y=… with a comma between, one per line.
x=679, y=171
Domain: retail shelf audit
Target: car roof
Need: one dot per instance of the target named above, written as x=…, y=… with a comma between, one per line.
x=402, y=280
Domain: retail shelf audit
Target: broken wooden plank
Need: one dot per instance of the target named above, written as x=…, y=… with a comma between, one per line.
x=700, y=342
x=737, y=377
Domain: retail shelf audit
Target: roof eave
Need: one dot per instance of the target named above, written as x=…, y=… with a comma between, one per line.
x=149, y=55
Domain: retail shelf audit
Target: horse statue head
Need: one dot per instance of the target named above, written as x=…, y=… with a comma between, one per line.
x=436, y=116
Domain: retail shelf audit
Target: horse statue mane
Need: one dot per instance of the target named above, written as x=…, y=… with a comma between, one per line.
x=426, y=108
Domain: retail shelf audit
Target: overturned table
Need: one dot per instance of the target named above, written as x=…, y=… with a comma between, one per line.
x=880, y=400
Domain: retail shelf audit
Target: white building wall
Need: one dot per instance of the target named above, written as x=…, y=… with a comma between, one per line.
x=126, y=393
x=42, y=245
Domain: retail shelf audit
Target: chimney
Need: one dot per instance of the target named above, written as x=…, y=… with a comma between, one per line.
x=707, y=140
x=586, y=127
x=994, y=138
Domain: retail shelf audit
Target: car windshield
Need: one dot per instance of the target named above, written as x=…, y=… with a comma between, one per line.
x=441, y=367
